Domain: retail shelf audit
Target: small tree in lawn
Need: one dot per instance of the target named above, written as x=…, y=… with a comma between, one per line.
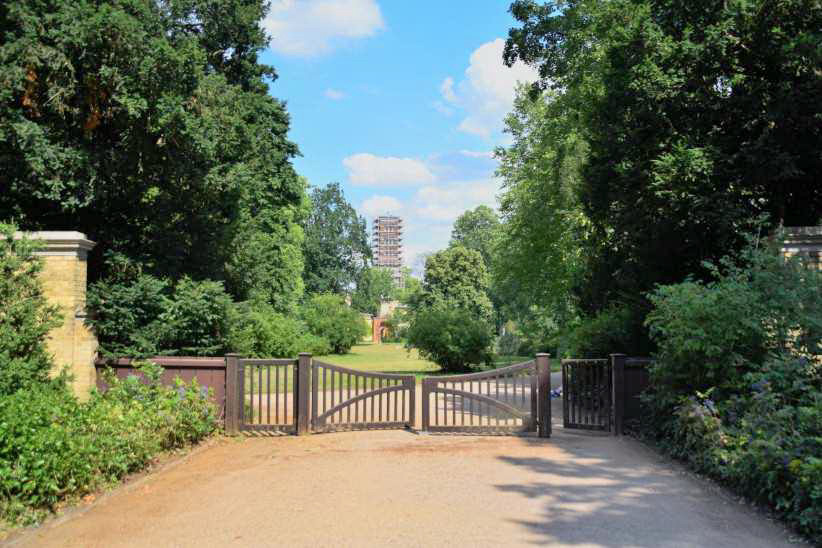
x=450, y=319
x=327, y=316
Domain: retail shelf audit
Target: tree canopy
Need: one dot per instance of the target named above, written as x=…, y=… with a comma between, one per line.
x=148, y=126
x=476, y=229
x=456, y=277
x=374, y=286
x=336, y=242
x=672, y=125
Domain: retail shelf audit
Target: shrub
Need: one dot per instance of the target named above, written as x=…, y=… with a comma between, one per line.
x=56, y=448
x=736, y=390
x=453, y=338
x=25, y=316
x=125, y=311
x=710, y=335
x=765, y=443
x=196, y=320
x=328, y=316
x=138, y=315
x=261, y=332
x=612, y=330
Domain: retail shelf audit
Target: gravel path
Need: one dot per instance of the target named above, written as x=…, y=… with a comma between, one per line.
x=401, y=488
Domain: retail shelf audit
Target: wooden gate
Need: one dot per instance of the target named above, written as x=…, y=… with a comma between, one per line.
x=347, y=399
x=503, y=401
x=586, y=394
x=268, y=401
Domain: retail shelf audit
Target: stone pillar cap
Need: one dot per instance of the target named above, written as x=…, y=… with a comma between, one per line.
x=59, y=242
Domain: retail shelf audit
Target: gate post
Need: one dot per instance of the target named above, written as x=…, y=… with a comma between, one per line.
x=425, y=405
x=617, y=392
x=411, y=383
x=233, y=406
x=301, y=391
x=544, y=394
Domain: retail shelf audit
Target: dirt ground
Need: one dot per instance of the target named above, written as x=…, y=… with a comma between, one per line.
x=402, y=488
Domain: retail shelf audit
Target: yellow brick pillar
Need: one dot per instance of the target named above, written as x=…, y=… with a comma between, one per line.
x=805, y=241
x=72, y=344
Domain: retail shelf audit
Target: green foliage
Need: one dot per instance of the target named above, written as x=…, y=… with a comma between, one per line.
x=397, y=324
x=25, y=315
x=453, y=338
x=508, y=344
x=150, y=128
x=328, y=317
x=336, y=243
x=374, y=285
x=476, y=229
x=711, y=334
x=612, y=330
x=125, y=312
x=764, y=442
x=266, y=265
x=56, y=448
x=261, y=332
x=456, y=277
x=138, y=315
x=675, y=126
x=538, y=255
x=196, y=320
x=737, y=382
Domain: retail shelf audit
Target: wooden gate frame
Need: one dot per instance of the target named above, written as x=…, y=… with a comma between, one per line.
x=539, y=419
x=587, y=412
x=305, y=416
x=406, y=384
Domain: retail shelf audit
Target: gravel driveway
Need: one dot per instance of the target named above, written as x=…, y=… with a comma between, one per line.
x=402, y=488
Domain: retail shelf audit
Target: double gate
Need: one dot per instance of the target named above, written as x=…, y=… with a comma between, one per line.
x=304, y=395
x=503, y=401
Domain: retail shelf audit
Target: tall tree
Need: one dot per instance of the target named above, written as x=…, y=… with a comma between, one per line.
x=336, y=243
x=539, y=251
x=698, y=117
x=374, y=285
x=476, y=229
x=456, y=277
x=148, y=125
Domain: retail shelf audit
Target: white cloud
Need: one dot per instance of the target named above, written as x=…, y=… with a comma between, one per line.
x=334, y=94
x=444, y=203
x=310, y=27
x=478, y=153
x=447, y=90
x=368, y=169
x=442, y=109
x=380, y=205
x=487, y=93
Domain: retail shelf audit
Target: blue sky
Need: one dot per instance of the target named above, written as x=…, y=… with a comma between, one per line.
x=399, y=101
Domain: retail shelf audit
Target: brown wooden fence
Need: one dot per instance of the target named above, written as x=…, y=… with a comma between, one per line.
x=209, y=372
x=304, y=395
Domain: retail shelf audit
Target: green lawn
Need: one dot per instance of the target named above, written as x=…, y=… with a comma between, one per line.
x=383, y=358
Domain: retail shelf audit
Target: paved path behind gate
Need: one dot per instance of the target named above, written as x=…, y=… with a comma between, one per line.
x=400, y=488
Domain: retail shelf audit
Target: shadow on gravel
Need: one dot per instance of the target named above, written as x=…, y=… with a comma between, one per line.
x=602, y=492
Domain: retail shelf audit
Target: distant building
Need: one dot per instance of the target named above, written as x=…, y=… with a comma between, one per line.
x=386, y=244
